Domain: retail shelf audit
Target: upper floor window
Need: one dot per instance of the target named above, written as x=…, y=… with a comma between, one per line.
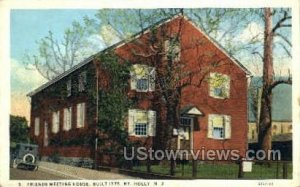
x=142, y=78
x=80, y=115
x=219, y=85
x=69, y=87
x=82, y=81
x=55, y=122
x=67, y=118
x=141, y=122
x=219, y=126
x=36, y=126
x=173, y=49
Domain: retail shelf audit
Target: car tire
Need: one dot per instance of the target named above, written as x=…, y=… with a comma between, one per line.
x=29, y=158
x=14, y=163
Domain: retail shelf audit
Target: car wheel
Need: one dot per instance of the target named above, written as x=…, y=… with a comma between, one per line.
x=28, y=158
x=15, y=164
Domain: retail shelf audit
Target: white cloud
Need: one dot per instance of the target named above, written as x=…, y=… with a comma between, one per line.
x=253, y=31
x=22, y=82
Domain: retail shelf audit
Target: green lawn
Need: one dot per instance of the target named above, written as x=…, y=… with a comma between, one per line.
x=220, y=171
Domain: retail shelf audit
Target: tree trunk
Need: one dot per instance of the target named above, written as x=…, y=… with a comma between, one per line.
x=265, y=121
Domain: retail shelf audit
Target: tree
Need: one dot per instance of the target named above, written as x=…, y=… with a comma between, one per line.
x=18, y=129
x=269, y=82
x=56, y=56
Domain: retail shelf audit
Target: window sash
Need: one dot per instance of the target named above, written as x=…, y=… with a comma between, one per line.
x=141, y=129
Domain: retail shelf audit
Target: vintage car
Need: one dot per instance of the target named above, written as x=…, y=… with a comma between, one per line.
x=24, y=156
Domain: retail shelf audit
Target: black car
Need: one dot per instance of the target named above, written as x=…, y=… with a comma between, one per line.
x=24, y=156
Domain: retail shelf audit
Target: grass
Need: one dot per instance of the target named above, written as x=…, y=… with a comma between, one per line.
x=220, y=170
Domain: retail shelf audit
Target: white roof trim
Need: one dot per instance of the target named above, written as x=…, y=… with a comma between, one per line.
x=194, y=111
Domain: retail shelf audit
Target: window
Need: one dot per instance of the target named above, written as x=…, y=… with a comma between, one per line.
x=69, y=87
x=173, y=50
x=185, y=121
x=219, y=126
x=82, y=81
x=67, y=118
x=141, y=122
x=55, y=122
x=142, y=84
x=219, y=85
x=140, y=129
x=36, y=126
x=80, y=115
x=142, y=78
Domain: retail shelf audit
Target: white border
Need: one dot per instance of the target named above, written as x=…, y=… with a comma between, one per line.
x=7, y=5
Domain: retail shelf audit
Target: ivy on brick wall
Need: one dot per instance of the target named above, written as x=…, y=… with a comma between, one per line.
x=113, y=103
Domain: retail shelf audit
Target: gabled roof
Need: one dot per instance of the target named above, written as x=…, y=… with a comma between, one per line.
x=135, y=36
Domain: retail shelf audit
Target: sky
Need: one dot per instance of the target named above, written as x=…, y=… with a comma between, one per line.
x=29, y=26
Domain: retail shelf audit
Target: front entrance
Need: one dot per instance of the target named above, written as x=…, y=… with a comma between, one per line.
x=185, y=135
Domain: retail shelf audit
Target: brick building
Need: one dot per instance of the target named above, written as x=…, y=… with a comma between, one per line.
x=213, y=114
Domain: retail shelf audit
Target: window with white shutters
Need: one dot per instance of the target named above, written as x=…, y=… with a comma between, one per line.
x=55, y=122
x=67, y=118
x=219, y=85
x=219, y=126
x=141, y=122
x=82, y=81
x=142, y=78
x=80, y=115
x=36, y=126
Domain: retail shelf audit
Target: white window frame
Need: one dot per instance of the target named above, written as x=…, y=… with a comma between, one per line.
x=226, y=126
x=150, y=122
x=67, y=119
x=55, y=121
x=225, y=86
x=81, y=112
x=149, y=77
x=36, y=126
x=82, y=81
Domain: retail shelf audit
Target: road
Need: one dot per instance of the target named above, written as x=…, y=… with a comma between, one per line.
x=21, y=174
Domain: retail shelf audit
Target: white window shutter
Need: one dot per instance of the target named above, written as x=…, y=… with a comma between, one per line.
x=227, y=127
x=70, y=118
x=152, y=79
x=210, y=126
x=132, y=81
x=83, y=109
x=152, y=123
x=227, y=87
x=78, y=122
x=65, y=118
x=36, y=126
x=131, y=114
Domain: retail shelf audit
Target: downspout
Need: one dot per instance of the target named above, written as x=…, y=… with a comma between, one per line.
x=97, y=115
x=249, y=78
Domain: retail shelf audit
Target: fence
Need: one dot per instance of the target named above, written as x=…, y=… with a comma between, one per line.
x=200, y=169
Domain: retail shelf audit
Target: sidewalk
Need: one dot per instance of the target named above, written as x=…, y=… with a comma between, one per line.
x=78, y=173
